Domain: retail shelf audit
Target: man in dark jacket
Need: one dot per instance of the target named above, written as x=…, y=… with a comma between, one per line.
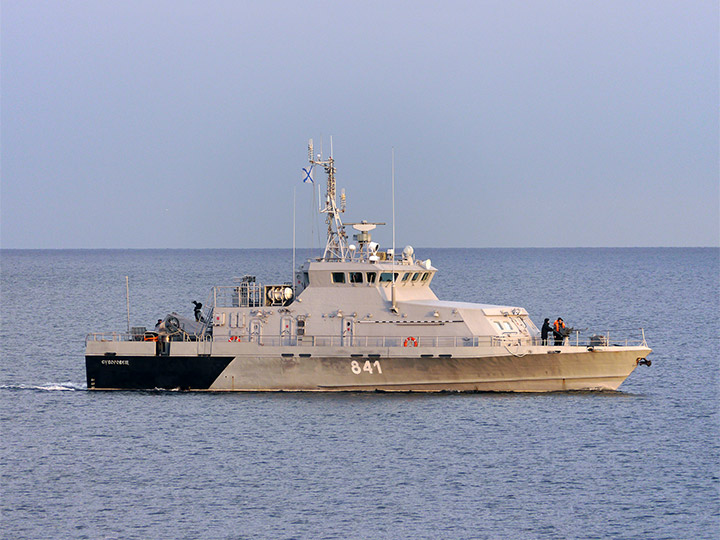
x=544, y=331
x=198, y=313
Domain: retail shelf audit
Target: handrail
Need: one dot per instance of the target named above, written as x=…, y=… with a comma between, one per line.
x=393, y=341
x=124, y=336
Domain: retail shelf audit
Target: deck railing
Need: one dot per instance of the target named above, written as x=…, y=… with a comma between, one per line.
x=148, y=337
x=619, y=339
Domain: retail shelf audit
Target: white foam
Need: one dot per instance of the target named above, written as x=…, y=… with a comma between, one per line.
x=68, y=386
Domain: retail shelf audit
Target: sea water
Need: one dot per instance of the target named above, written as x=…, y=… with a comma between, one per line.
x=641, y=462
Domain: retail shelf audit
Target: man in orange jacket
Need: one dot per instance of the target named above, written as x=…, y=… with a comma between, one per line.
x=559, y=331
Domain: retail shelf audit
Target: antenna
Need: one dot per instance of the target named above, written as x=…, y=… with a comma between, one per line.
x=293, y=258
x=393, y=306
x=127, y=298
x=318, y=211
x=336, y=247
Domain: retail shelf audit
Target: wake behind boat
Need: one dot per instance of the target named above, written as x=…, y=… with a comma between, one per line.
x=359, y=318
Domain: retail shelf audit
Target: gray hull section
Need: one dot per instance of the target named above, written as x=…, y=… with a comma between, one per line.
x=532, y=372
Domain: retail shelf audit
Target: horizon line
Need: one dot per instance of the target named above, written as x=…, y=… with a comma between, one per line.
x=319, y=248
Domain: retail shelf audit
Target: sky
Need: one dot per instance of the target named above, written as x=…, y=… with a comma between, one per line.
x=184, y=124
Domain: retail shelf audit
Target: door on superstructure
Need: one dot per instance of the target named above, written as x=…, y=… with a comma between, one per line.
x=204, y=345
x=302, y=338
x=348, y=330
x=255, y=330
x=287, y=331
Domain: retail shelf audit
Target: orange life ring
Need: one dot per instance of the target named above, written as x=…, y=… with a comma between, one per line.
x=410, y=340
x=150, y=338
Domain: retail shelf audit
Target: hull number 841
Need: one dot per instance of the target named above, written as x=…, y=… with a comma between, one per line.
x=358, y=368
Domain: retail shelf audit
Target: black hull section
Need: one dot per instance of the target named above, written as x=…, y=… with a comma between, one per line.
x=150, y=372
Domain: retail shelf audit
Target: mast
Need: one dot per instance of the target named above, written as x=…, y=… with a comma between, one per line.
x=336, y=247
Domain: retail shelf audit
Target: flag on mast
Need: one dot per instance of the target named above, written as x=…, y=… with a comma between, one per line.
x=308, y=175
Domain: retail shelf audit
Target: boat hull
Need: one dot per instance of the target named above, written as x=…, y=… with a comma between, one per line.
x=537, y=369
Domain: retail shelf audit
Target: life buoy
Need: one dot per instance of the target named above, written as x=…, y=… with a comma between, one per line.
x=234, y=338
x=410, y=340
x=150, y=338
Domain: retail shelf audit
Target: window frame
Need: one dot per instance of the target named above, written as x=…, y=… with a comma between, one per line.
x=388, y=274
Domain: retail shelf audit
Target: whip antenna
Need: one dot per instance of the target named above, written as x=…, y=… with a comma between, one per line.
x=393, y=306
x=127, y=299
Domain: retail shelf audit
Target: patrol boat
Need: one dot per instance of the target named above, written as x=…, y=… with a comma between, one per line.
x=356, y=319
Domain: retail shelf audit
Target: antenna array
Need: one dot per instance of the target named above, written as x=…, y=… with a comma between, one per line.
x=336, y=247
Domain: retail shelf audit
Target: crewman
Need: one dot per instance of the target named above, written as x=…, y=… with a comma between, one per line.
x=198, y=313
x=544, y=331
x=559, y=331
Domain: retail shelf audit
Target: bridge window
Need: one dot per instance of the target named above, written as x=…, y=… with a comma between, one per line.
x=371, y=276
x=416, y=276
x=356, y=277
x=387, y=277
x=406, y=276
x=426, y=276
x=338, y=277
x=504, y=326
